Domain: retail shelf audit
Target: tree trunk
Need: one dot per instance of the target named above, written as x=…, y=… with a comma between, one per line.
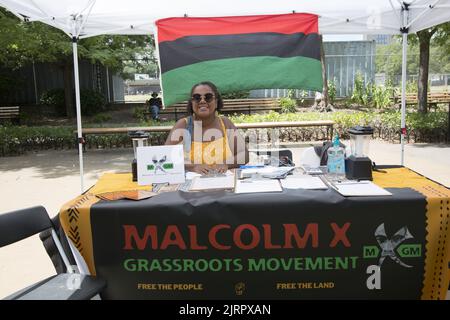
x=322, y=104
x=324, y=75
x=68, y=90
x=424, y=58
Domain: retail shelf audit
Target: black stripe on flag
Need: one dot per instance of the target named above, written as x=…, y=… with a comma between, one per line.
x=194, y=49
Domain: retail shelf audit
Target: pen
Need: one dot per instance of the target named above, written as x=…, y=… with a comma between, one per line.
x=344, y=183
x=251, y=167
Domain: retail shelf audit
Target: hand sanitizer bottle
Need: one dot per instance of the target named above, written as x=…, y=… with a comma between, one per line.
x=336, y=161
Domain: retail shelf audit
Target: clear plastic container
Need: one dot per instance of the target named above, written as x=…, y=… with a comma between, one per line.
x=336, y=161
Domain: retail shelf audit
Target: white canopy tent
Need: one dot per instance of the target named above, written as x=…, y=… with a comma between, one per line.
x=87, y=18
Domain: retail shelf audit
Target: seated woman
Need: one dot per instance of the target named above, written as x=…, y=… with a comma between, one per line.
x=212, y=143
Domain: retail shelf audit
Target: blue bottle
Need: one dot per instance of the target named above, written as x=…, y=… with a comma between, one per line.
x=336, y=161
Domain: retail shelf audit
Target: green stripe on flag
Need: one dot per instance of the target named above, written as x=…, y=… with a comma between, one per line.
x=243, y=74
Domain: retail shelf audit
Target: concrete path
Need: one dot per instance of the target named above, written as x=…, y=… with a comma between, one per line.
x=51, y=178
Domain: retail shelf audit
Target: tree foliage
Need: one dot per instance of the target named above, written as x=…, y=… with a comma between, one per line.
x=389, y=57
x=23, y=42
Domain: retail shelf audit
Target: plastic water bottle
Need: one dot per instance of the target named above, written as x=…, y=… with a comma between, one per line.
x=336, y=161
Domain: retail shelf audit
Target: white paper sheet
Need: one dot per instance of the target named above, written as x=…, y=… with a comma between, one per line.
x=160, y=164
x=359, y=189
x=266, y=170
x=252, y=186
x=303, y=182
x=191, y=175
x=211, y=183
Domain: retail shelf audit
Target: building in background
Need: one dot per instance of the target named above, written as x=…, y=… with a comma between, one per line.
x=380, y=39
x=142, y=87
x=343, y=60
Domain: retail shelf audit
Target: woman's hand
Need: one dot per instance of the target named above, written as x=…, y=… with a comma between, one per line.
x=201, y=168
x=219, y=168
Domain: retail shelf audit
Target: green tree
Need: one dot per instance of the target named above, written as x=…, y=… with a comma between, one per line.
x=437, y=35
x=24, y=42
x=388, y=59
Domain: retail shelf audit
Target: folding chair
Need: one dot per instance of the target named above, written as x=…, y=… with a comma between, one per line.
x=21, y=224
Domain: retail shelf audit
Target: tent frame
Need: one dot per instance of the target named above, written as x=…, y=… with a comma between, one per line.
x=79, y=20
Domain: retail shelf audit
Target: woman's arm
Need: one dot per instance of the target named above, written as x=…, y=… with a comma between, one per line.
x=176, y=136
x=176, y=133
x=237, y=144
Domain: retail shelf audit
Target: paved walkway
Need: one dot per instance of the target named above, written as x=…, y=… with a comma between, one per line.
x=51, y=178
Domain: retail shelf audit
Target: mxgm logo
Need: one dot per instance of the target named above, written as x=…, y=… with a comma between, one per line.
x=392, y=247
x=160, y=164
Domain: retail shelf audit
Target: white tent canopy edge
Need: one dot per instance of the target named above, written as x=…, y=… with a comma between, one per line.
x=87, y=18
x=138, y=16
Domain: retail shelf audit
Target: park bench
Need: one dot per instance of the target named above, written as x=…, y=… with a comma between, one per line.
x=10, y=114
x=230, y=106
x=433, y=99
x=329, y=124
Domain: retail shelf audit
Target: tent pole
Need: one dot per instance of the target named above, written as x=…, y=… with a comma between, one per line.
x=404, y=53
x=403, y=121
x=78, y=109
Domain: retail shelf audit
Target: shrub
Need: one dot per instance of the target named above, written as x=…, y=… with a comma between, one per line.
x=361, y=92
x=138, y=113
x=54, y=98
x=421, y=127
x=430, y=127
x=101, y=117
x=92, y=102
x=291, y=93
x=242, y=94
x=332, y=91
x=8, y=82
x=411, y=87
x=381, y=96
x=287, y=105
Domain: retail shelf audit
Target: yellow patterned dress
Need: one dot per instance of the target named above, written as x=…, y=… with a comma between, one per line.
x=210, y=152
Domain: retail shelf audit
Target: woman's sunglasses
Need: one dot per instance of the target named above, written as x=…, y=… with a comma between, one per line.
x=198, y=97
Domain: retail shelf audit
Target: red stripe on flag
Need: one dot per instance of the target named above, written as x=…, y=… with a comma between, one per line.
x=173, y=28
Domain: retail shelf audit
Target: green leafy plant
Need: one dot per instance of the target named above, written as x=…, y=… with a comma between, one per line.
x=288, y=105
x=332, y=90
x=361, y=93
x=302, y=96
x=139, y=113
x=411, y=87
x=242, y=94
x=381, y=96
x=8, y=83
x=101, y=117
x=54, y=98
x=92, y=102
x=291, y=93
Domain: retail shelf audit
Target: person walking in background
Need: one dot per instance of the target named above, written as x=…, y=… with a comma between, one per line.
x=155, y=104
